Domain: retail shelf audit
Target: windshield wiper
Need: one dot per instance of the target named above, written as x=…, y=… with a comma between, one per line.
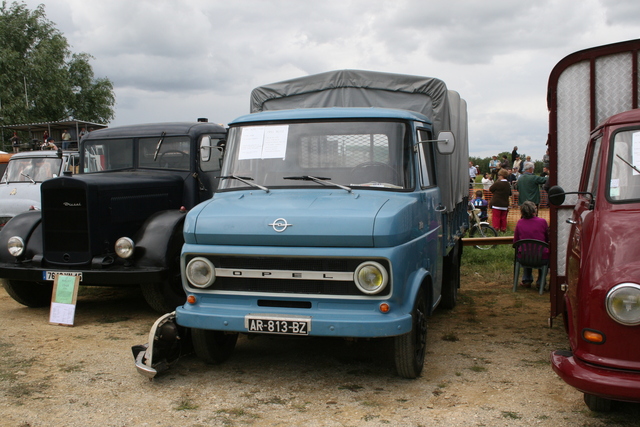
x=246, y=180
x=320, y=180
x=628, y=164
x=155, y=155
x=28, y=177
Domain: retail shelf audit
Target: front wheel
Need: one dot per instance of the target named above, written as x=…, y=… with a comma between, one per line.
x=483, y=230
x=31, y=294
x=597, y=403
x=410, y=348
x=213, y=346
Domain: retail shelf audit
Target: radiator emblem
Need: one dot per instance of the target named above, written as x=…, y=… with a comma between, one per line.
x=280, y=224
x=71, y=205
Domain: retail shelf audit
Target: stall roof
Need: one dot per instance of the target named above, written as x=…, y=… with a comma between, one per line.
x=59, y=125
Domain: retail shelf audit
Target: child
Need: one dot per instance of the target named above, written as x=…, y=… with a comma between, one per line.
x=480, y=203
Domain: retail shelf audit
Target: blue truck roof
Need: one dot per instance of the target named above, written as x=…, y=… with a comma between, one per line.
x=331, y=113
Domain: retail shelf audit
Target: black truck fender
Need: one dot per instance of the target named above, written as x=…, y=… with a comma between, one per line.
x=27, y=226
x=158, y=245
x=159, y=238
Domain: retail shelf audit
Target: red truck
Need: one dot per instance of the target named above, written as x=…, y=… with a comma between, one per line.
x=594, y=128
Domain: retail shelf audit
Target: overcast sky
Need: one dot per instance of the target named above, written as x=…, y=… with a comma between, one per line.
x=179, y=60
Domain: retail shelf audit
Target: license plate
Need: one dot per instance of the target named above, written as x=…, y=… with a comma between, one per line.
x=51, y=275
x=270, y=324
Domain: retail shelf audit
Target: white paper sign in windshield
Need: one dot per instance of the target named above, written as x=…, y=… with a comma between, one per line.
x=263, y=142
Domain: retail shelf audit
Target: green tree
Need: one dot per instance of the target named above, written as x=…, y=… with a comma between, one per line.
x=40, y=79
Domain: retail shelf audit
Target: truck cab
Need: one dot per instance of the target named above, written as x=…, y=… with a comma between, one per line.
x=118, y=222
x=594, y=128
x=602, y=296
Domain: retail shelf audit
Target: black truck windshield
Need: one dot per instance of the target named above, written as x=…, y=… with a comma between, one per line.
x=115, y=154
x=345, y=153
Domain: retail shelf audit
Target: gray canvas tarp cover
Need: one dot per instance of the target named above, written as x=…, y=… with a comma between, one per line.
x=356, y=88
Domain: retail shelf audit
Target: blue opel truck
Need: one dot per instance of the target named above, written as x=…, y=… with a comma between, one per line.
x=340, y=210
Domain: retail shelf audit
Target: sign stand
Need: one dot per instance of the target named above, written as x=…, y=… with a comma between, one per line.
x=63, y=300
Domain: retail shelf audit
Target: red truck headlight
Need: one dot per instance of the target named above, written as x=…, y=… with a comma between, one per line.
x=623, y=304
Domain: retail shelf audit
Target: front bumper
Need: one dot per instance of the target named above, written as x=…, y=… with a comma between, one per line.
x=100, y=276
x=599, y=381
x=328, y=318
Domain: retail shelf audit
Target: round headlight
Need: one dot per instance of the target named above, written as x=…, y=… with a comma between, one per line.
x=200, y=272
x=15, y=245
x=124, y=247
x=623, y=304
x=371, y=277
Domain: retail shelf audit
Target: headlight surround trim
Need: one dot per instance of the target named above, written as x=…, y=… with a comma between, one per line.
x=200, y=272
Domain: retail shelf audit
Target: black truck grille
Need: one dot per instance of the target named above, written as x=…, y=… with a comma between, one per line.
x=66, y=227
x=290, y=286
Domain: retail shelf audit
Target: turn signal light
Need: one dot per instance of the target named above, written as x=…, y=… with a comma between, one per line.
x=384, y=307
x=191, y=299
x=592, y=336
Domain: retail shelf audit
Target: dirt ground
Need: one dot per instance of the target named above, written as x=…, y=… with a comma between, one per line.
x=487, y=365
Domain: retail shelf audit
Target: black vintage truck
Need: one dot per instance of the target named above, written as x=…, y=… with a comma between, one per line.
x=119, y=221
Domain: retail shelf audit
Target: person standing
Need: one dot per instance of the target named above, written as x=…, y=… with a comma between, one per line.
x=546, y=159
x=15, y=142
x=516, y=165
x=514, y=154
x=66, y=137
x=493, y=167
x=472, y=174
x=505, y=163
x=499, y=203
x=529, y=185
x=531, y=226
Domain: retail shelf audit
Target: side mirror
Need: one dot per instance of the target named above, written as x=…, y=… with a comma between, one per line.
x=205, y=148
x=556, y=195
x=446, y=142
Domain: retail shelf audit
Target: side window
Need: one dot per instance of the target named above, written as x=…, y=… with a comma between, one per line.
x=425, y=155
x=593, y=162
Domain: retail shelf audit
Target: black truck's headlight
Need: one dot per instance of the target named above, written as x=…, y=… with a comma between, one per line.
x=371, y=277
x=124, y=247
x=15, y=245
x=201, y=272
x=623, y=304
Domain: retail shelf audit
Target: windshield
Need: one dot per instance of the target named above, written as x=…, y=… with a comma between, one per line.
x=171, y=152
x=35, y=169
x=317, y=155
x=624, y=182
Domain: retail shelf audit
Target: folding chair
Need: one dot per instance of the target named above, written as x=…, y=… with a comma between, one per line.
x=529, y=253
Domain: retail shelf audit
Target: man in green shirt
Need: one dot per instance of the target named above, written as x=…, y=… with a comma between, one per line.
x=529, y=185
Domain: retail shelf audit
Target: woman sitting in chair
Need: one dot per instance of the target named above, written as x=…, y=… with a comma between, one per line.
x=531, y=226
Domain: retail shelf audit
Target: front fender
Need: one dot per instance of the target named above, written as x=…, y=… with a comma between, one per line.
x=27, y=226
x=159, y=238
x=417, y=280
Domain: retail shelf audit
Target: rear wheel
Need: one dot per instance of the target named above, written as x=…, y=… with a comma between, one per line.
x=483, y=230
x=410, y=348
x=597, y=403
x=213, y=346
x=31, y=294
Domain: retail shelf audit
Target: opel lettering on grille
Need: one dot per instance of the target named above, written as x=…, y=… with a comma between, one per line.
x=280, y=224
x=69, y=205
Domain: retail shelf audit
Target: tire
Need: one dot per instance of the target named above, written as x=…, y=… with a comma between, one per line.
x=483, y=230
x=31, y=294
x=165, y=296
x=410, y=348
x=597, y=403
x=213, y=347
x=451, y=278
